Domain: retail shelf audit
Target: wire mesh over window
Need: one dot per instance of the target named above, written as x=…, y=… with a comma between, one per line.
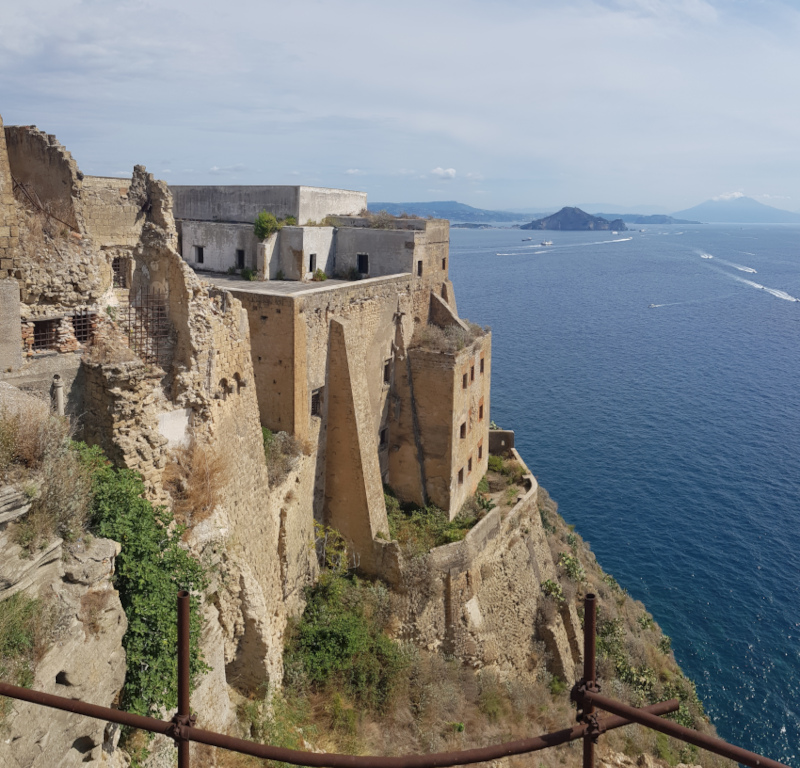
x=83, y=325
x=146, y=322
x=45, y=334
x=316, y=402
x=119, y=267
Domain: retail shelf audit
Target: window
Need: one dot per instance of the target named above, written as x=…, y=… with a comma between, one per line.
x=461, y=476
x=464, y=381
x=444, y=263
x=120, y=272
x=240, y=258
x=480, y=412
x=198, y=254
x=312, y=262
x=419, y=269
x=363, y=263
x=463, y=430
x=387, y=371
x=45, y=334
x=482, y=362
x=472, y=373
x=83, y=324
x=384, y=437
x=316, y=402
x=480, y=450
x=469, y=465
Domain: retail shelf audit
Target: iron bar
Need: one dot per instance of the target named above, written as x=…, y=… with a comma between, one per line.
x=183, y=717
x=702, y=740
x=589, y=674
x=321, y=759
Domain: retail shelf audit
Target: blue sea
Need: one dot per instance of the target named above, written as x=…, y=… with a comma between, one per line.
x=653, y=380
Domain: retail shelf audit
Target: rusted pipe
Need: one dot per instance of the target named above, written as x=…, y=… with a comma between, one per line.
x=589, y=674
x=183, y=718
x=323, y=760
x=88, y=710
x=709, y=743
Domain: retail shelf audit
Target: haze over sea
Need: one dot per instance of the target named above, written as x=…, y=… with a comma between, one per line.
x=668, y=434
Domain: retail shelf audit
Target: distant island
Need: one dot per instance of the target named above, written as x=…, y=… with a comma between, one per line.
x=575, y=220
x=447, y=209
x=639, y=218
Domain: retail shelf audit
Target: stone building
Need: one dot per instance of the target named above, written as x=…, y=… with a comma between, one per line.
x=377, y=372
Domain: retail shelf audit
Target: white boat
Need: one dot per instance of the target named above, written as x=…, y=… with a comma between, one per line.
x=526, y=239
x=547, y=242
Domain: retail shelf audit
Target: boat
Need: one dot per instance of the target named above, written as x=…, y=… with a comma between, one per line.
x=526, y=239
x=547, y=242
x=614, y=232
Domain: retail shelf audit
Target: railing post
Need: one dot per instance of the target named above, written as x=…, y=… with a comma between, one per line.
x=589, y=674
x=183, y=716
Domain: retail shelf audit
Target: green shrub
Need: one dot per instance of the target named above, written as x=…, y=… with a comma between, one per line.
x=420, y=530
x=483, y=485
x=495, y=463
x=24, y=626
x=319, y=276
x=280, y=275
x=572, y=566
x=665, y=644
x=290, y=221
x=248, y=274
x=150, y=570
x=553, y=589
x=265, y=224
x=572, y=541
x=557, y=686
x=339, y=643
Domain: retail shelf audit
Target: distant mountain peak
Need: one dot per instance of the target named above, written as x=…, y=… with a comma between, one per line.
x=736, y=208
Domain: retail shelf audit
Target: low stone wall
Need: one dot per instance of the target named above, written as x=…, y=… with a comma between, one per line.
x=480, y=598
x=501, y=441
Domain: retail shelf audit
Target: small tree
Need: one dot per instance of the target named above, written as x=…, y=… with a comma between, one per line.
x=265, y=224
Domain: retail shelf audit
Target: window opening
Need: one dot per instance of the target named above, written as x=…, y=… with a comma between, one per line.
x=387, y=371
x=482, y=362
x=469, y=465
x=312, y=262
x=419, y=269
x=384, y=437
x=363, y=263
x=198, y=254
x=118, y=268
x=480, y=450
x=461, y=476
x=240, y=258
x=480, y=412
x=464, y=381
x=464, y=430
x=45, y=334
x=472, y=373
x=444, y=263
x=83, y=324
x=316, y=402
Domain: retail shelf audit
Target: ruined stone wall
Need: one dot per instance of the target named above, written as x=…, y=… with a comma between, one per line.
x=480, y=599
x=47, y=170
x=9, y=230
x=112, y=212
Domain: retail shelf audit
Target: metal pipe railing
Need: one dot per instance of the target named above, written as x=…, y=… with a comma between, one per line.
x=586, y=693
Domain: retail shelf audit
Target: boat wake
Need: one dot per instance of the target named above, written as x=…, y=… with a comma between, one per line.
x=774, y=291
x=706, y=255
x=737, y=266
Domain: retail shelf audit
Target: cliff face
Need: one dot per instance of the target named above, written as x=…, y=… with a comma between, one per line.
x=81, y=644
x=574, y=219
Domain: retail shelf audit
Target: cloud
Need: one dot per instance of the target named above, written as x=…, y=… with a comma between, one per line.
x=444, y=173
x=475, y=176
x=355, y=172
x=729, y=196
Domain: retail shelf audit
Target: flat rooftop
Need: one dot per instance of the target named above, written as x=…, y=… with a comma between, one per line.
x=289, y=287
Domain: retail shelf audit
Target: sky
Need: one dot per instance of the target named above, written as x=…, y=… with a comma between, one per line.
x=502, y=104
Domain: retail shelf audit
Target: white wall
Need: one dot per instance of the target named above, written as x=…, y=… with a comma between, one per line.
x=219, y=242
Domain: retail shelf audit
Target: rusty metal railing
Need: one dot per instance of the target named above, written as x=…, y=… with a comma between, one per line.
x=585, y=693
